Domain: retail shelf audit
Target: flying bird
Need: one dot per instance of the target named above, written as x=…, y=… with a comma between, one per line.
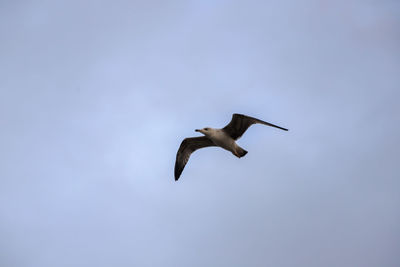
x=224, y=138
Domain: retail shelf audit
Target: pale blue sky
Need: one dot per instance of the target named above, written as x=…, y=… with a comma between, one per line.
x=95, y=98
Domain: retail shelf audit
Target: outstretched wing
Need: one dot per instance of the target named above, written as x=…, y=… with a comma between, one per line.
x=240, y=123
x=188, y=146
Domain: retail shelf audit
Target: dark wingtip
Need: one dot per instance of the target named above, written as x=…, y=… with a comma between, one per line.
x=177, y=174
x=273, y=125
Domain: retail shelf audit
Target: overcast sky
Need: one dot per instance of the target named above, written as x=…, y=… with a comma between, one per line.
x=96, y=96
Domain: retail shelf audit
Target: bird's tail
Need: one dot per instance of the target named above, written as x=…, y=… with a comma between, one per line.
x=240, y=152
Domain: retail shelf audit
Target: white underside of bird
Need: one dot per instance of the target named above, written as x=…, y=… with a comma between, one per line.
x=220, y=138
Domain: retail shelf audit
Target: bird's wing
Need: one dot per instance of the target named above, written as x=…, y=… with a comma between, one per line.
x=188, y=146
x=240, y=123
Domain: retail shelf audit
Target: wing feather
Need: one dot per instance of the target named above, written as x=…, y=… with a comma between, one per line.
x=240, y=123
x=187, y=147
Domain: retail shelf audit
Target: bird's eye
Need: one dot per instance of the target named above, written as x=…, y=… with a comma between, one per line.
x=206, y=129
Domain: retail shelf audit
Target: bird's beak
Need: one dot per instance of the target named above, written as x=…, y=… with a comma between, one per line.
x=197, y=130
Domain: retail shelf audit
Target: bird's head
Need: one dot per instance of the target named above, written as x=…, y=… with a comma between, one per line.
x=206, y=131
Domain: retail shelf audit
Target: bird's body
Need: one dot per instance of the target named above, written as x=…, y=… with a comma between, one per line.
x=220, y=138
x=224, y=138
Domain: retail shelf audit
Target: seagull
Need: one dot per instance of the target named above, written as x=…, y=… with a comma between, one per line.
x=224, y=138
